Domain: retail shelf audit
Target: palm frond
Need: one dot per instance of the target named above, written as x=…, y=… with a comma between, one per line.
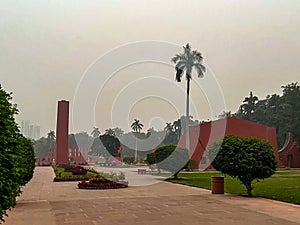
x=200, y=69
x=176, y=58
x=181, y=64
x=179, y=73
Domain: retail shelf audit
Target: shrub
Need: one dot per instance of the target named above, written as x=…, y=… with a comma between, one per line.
x=246, y=159
x=170, y=158
x=17, y=159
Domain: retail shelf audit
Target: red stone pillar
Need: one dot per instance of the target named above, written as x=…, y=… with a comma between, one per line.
x=62, y=130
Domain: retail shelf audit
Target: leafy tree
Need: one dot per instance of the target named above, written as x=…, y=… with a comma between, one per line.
x=151, y=158
x=186, y=61
x=170, y=158
x=118, y=132
x=83, y=140
x=106, y=145
x=128, y=160
x=41, y=147
x=246, y=159
x=281, y=112
x=16, y=155
x=72, y=141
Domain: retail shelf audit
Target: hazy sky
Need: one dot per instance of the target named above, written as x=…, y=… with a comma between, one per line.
x=47, y=46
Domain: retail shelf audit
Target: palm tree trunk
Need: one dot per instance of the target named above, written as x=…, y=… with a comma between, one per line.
x=187, y=119
x=135, y=155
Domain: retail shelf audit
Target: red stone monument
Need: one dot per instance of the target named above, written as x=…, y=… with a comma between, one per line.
x=62, y=130
x=201, y=136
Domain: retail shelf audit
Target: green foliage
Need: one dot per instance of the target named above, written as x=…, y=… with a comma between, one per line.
x=170, y=158
x=282, y=186
x=246, y=159
x=106, y=145
x=281, y=112
x=61, y=175
x=128, y=160
x=136, y=126
x=151, y=158
x=16, y=155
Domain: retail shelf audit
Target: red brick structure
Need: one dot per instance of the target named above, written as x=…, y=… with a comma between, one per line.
x=75, y=156
x=289, y=155
x=62, y=130
x=201, y=136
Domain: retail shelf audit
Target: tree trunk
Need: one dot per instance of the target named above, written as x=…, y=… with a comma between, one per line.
x=176, y=176
x=187, y=119
x=135, y=155
x=249, y=188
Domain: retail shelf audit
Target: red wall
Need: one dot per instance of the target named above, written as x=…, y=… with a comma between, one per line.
x=62, y=130
x=212, y=131
x=289, y=155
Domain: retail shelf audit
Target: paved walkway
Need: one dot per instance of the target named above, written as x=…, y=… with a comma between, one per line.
x=47, y=203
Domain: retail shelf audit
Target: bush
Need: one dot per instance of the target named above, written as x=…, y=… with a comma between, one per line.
x=246, y=159
x=170, y=158
x=128, y=160
x=17, y=159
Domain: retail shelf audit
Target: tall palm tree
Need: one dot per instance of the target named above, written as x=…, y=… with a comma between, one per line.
x=185, y=62
x=168, y=128
x=249, y=105
x=136, y=126
x=95, y=133
x=51, y=138
x=110, y=132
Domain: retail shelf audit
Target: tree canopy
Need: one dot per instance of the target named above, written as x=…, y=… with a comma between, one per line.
x=171, y=158
x=106, y=145
x=246, y=159
x=281, y=112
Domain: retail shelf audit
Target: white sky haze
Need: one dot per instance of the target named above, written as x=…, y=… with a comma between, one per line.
x=46, y=47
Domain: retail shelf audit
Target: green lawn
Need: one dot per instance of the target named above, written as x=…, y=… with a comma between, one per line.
x=284, y=185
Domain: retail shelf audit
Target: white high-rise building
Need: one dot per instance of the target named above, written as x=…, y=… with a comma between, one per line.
x=30, y=131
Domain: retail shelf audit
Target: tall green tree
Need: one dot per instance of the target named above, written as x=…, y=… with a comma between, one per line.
x=281, y=112
x=106, y=145
x=186, y=62
x=170, y=158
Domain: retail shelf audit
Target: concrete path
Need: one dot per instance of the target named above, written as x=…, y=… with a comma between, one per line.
x=47, y=203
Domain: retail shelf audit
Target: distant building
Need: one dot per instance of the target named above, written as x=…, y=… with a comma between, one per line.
x=29, y=130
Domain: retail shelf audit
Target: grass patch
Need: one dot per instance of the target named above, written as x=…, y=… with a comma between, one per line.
x=284, y=185
x=61, y=175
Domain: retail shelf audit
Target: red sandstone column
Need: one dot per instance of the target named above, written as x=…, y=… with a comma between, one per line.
x=62, y=130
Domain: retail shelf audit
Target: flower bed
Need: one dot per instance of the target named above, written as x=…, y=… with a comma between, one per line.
x=102, y=183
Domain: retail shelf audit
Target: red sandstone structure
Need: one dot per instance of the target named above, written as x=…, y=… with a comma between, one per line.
x=62, y=130
x=201, y=136
x=289, y=155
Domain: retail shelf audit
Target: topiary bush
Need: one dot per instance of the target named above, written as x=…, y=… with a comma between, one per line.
x=246, y=159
